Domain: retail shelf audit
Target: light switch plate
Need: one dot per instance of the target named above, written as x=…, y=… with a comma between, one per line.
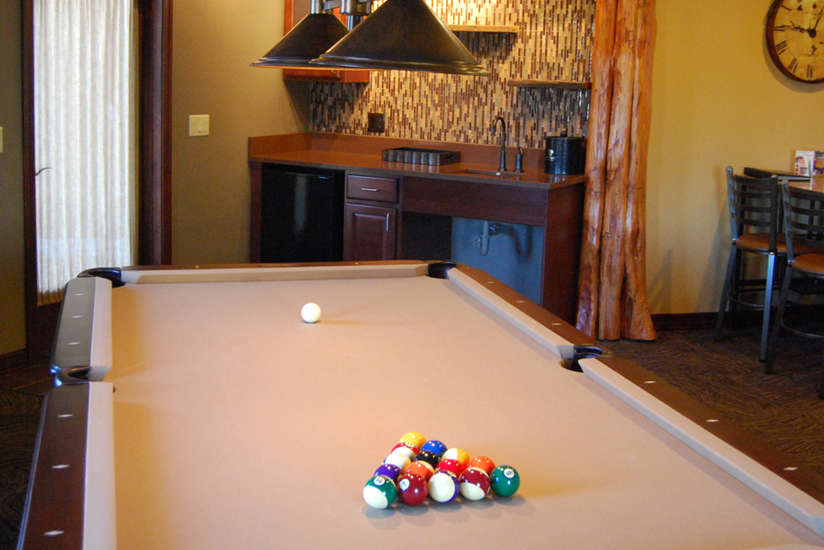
x=198, y=125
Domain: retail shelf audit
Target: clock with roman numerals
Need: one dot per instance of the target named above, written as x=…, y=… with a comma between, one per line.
x=795, y=38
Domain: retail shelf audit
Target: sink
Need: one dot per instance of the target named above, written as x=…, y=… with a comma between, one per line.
x=505, y=174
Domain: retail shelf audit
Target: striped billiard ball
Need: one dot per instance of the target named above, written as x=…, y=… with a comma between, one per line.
x=380, y=492
x=443, y=487
x=474, y=484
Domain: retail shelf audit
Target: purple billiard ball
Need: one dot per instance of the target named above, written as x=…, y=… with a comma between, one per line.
x=389, y=470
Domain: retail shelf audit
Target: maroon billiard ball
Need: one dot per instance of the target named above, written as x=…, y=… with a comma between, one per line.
x=474, y=484
x=413, y=489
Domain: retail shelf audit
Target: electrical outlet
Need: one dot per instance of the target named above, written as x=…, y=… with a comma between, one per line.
x=198, y=125
x=376, y=123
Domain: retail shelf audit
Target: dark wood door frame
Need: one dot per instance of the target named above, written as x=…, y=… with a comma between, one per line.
x=154, y=158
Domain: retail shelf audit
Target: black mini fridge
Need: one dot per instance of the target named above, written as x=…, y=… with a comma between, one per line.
x=301, y=214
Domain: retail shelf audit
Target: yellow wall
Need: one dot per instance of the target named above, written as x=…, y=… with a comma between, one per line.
x=213, y=44
x=717, y=101
x=12, y=304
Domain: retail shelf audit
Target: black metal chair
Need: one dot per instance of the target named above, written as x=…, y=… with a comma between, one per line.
x=755, y=219
x=804, y=234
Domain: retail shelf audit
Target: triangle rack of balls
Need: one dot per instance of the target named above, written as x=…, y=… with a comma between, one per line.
x=417, y=468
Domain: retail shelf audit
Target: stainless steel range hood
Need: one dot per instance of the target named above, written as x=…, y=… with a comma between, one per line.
x=399, y=35
x=312, y=36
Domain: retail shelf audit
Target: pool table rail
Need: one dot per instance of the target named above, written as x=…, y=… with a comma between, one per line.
x=85, y=323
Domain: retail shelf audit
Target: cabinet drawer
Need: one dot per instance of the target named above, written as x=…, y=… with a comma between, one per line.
x=372, y=188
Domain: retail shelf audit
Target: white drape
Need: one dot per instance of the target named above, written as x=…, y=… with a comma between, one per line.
x=84, y=138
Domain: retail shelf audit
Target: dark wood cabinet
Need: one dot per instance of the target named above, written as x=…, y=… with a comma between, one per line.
x=370, y=226
x=369, y=232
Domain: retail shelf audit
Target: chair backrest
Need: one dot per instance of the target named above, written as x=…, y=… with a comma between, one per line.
x=804, y=219
x=754, y=206
x=757, y=172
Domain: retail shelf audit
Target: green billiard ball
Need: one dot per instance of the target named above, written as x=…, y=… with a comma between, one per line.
x=505, y=480
x=380, y=492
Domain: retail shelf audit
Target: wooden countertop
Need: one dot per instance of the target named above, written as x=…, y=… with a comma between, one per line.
x=815, y=185
x=363, y=154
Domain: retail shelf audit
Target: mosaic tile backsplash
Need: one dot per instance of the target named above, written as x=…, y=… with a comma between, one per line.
x=554, y=42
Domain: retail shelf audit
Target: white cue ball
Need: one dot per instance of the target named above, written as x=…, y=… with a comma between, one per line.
x=310, y=313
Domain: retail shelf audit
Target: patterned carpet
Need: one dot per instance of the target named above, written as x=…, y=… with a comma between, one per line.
x=782, y=408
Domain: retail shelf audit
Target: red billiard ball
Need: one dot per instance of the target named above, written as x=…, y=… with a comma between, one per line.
x=412, y=489
x=452, y=466
x=474, y=484
x=482, y=463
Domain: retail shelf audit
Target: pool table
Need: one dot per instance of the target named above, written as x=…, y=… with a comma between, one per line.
x=197, y=410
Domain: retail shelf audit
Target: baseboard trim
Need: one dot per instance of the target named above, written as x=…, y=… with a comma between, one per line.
x=13, y=359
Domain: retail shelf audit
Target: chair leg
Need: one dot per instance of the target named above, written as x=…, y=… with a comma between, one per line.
x=728, y=283
x=765, y=317
x=779, y=319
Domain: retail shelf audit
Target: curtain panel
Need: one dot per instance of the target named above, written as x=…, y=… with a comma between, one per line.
x=84, y=119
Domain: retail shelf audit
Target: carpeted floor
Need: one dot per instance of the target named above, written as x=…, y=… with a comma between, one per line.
x=782, y=408
x=21, y=393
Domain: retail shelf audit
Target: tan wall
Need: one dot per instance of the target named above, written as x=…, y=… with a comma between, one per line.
x=717, y=101
x=12, y=302
x=214, y=42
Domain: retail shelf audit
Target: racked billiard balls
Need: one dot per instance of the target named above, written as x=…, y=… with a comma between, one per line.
x=505, y=480
x=474, y=484
x=412, y=488
x=443, y=487
x=380, y=492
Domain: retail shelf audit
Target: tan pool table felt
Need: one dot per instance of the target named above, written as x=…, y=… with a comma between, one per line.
x=239, y=426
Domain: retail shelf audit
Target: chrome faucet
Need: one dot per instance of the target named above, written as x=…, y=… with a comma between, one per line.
x=502, y=164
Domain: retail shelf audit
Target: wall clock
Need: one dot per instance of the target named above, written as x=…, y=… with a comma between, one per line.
x=795, y=38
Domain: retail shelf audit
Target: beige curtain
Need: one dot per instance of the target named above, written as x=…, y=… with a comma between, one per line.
x=84, y=138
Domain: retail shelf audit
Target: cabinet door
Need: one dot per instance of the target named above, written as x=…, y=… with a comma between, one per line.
x=369, y=232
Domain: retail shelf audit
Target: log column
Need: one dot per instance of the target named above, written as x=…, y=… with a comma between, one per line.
x=611, y=287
